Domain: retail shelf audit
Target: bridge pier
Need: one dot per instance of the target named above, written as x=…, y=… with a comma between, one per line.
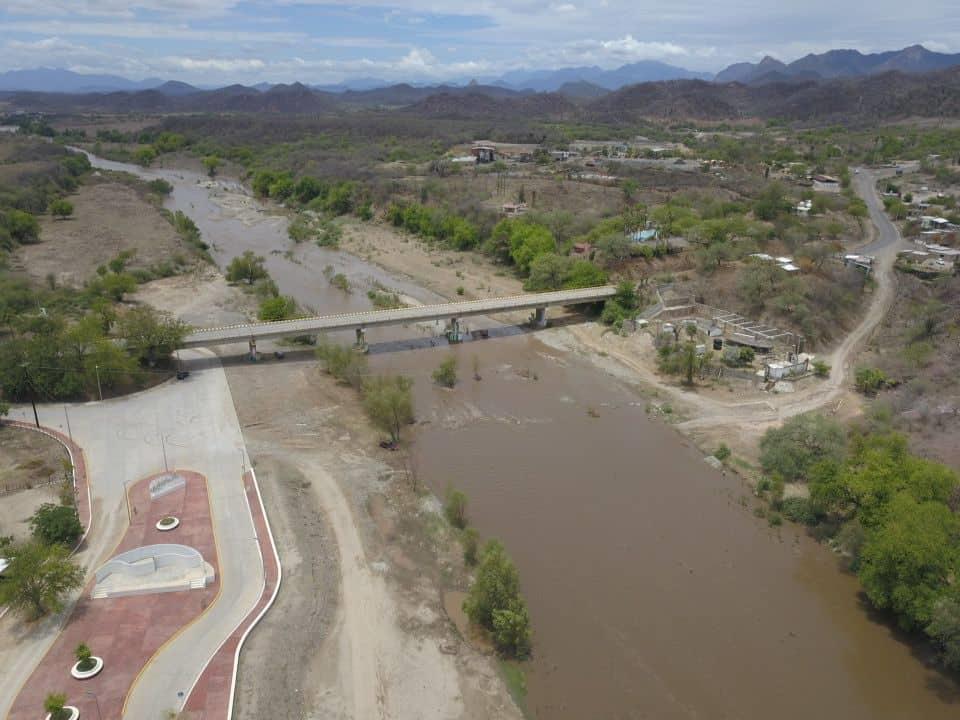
x=540, y=317
x=361, y=342
x=453, y=330
x=253, y=349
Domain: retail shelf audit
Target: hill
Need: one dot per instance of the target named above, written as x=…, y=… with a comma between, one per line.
x=638, y=72
x=839, y=64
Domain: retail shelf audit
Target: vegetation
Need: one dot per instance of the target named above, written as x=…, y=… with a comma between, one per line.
x=56, y=524
x=344, y=363
x=494, y=602
x=38, y=577
x=248, y=267
x=870, y=381
x=61, y=208
x=455, y=509
x=55, y=704
x=281, y=307
x=791, y=451
x=84, y=657
x=446, y=374
x=388, y=401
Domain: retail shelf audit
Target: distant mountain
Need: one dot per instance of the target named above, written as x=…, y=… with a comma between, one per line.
x=581, y=90
x=175, y=88
x=838, y=64
x=638, y=72
x=65, y=81
x=893, y=95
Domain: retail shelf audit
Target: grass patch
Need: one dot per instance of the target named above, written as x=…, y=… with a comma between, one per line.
x=516, y=681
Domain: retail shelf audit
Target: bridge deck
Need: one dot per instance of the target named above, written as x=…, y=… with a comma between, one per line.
x=206, y=337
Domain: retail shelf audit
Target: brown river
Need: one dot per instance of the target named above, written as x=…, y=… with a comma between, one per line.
x=654, y=591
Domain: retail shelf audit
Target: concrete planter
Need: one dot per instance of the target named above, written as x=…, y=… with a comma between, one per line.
x=74, y=712
x=84, y=674
x=169, y=526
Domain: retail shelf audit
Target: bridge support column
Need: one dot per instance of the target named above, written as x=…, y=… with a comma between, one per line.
x=361, y=339
x=453, y=331
x=253, y=349
x=540, y=317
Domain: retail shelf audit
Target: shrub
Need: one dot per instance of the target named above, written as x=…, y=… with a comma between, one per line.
x=792, y=450
x=52, y=524
x=61, y=208
x=344, y=363
x=471, y=542
x=247, y=267
x=722, y=452
x=54, y=704
x=821, y=369
x=455, y=509
x=870, y=381
x=799, y=510
x=446, y=374
x=388, y=401
x=282, y=307
x=84, y=657
x=494, y=601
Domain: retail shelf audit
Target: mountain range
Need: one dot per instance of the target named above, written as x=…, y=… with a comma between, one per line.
x=574, y=82
x=837, y=64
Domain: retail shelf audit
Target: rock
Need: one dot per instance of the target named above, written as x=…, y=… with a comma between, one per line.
x=713, y=462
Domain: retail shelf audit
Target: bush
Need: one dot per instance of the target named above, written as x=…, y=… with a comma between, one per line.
x=247, y=267
x=446, y=374
x=722, y=452
x=455, y=509
x=54, y=704
x=282, y=307
x=84, y=657
x=792, y=450
x=870, y=381
x=61, y=208
x=821, y=369
x=388, y=401
x=494, y=601
x=52, y=524
x=344, y=363
x=471, y=541
x=799, y=510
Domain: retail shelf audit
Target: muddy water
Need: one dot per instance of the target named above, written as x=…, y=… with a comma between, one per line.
x=654, y=592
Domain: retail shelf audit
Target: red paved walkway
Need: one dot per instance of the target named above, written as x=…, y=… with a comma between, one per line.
x=81, y=489
x=211, y=696
x=127, y=631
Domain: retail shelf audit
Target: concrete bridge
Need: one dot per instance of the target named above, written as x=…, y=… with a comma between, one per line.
x=360, y=321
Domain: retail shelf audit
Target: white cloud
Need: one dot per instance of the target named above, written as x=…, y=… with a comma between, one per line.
x=221, y=65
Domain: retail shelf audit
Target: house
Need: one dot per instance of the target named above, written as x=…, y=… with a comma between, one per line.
x=562, y=155
x=826, y=183
x=583, y=250
x=484, y=153
x=648, y=235
x=804, y=207
x=514, y=209
x=779, y=369
x=931, y=222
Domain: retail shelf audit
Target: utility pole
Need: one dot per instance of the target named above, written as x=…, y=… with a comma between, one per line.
x=67, y=415
x=96, y=700
x=33, y=399
x=99, y=390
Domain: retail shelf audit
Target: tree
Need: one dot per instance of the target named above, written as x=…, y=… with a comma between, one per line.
x=388, y=401
x=870, y=381
x=114, y=285
x=52, y=524
x=548, y=272
x=61, y=208
x=37, y=578
x=247, y=267
x=494, y=601
x=455, y=508
x=344, y=363
x=150, y=335
x=282, y=307
x=22, y=226
x=527, y=242
x=583, y=274
x=944, y=628
x=211, y=163
x=84, y=657
x=446, y=374
x=4, y=409
x=791, y=450
x=615, y=248
x=470, y=539
x=907, y=563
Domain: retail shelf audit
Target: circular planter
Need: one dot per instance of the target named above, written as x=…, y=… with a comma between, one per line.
x=84, y=674
x=169, y=526
x=74, y=712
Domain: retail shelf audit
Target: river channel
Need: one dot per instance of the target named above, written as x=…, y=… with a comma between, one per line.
x=654, y=591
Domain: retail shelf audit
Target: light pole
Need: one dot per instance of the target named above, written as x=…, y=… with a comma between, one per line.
x=96, y=700
x=33, y=399
x=67, y=416
x=96, y=369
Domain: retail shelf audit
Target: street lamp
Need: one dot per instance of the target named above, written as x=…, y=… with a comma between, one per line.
x=97, y=701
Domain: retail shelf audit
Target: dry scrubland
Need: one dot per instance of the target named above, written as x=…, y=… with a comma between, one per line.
x=31, y=472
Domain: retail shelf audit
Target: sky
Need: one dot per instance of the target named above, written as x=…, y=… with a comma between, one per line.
x=212, y=42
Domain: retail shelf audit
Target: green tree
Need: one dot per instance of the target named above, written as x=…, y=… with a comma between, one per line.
x=494, y=601
x=22, y=226
x=584, y=274
x=145, y=156
x=150, y=335
x=344, y=363
x=38, y=577
x=247, y=267
x=56, y=524
x=61, y=208
x=446, y=374
x=282, y=307
x=511, y=629
x=388, y=401
x=455, y=509
x=906, y=563
x=211, y=163
x=471, y=541
x=791, y=450
x=944, y=628
x=548, y=272
x=870, y=381
x=528, y=242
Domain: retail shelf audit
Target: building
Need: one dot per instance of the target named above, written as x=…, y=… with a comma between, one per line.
x=484, y=153
x=932, y=222
x=649, y=235
x=804, y=207
x=514, y=209
x=584, y=250
x=826, y=183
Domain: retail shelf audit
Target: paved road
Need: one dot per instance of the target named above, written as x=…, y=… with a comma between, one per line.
x=864, y=182
x=121, y=440
x=206, y=337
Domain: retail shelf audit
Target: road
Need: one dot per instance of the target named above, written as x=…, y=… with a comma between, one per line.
x=121, y=441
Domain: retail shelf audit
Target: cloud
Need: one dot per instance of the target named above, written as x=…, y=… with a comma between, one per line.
x=221, y=65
